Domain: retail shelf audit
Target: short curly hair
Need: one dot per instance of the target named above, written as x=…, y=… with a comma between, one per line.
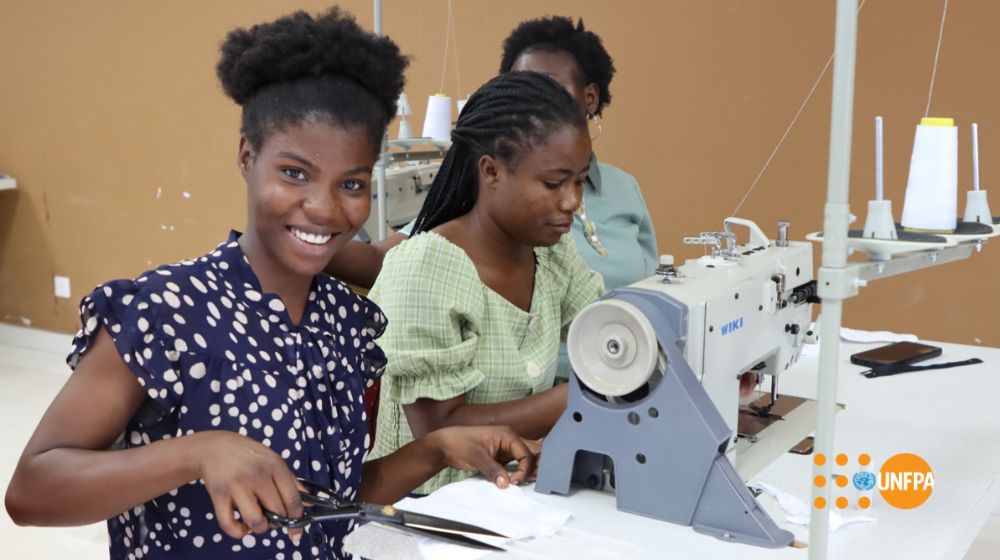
x=299, y=67
x=558, y=34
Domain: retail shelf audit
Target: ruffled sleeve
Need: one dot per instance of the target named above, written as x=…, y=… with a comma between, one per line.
x=430, y=290
x=373, y=360
x=144, y=343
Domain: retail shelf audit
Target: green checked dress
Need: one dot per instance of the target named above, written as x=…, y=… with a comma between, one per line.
x=449, y=334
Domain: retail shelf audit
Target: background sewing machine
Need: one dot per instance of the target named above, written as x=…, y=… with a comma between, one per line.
x=406, y=186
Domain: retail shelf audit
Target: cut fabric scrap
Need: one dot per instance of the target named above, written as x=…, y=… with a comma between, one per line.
x=479, y=502
x=855, y=335
x=798, y=511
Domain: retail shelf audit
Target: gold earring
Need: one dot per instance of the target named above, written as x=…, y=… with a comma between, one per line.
x=597, y=122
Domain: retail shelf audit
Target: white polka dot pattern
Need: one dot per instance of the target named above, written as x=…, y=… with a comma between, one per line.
x=213, y=351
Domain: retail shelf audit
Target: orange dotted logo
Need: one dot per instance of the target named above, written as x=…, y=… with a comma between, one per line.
x=905, y=481
x=842, y=481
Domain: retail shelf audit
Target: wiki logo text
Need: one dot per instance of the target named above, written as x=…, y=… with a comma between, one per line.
x=732, y=326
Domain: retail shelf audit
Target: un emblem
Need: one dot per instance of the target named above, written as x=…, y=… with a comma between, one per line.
x=864, y=480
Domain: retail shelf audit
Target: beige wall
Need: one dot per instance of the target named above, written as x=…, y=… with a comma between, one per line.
x=110, y=111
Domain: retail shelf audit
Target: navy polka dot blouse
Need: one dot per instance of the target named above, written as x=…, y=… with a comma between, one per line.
x=216, y=353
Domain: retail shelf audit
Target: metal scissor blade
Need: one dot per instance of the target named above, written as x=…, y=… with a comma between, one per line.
x=429, y=522
x=450, y=538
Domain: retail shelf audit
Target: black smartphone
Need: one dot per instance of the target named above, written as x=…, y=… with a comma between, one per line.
x=896, y=353
x=804, y=447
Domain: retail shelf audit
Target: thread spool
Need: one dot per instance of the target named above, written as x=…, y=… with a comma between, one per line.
x=437, y=120
x=461, y=104
x=403, y=110
x=931, y=203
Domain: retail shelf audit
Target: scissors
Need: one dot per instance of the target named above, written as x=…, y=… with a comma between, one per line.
x=330, y=506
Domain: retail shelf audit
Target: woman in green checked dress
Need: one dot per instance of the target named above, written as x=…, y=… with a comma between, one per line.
x=478, y=298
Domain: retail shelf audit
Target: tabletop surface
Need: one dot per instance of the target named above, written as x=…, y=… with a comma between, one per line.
x=947, y=417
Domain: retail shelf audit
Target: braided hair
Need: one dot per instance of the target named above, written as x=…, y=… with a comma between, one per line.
x=510, y=114
x=558, y=34
x=298, y=68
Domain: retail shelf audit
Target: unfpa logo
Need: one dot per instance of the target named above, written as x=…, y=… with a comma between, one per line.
x=905, y=481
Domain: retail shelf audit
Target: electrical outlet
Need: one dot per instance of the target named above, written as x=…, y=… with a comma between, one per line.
x=62, y=287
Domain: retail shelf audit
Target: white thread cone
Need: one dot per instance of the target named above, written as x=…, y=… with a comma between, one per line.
x=932, y=190
x=437, y=121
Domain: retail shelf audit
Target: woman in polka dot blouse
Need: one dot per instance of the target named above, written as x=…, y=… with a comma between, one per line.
x=227, y=376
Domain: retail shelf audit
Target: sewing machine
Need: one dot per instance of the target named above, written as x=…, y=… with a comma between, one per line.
x=749, y=310
x=656, y=378
x=406, y=186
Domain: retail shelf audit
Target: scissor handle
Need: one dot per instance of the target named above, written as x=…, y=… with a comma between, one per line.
x=336, y=514
x=338, y=508
x=315, y=488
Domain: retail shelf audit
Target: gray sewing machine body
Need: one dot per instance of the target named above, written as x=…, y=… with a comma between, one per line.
x=655, y=387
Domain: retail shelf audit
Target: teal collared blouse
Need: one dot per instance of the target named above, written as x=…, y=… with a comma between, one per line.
x=612, y=229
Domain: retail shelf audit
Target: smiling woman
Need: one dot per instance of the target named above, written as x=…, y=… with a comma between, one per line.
x=234, y=373
x=308, y=192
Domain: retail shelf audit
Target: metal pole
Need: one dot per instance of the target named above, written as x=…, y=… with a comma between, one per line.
x=975, y=156
x=878, y=158
x=831, y=280
x=383, y=230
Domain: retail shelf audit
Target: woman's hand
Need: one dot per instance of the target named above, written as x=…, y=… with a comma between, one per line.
x=487, y=449
x=246, y=475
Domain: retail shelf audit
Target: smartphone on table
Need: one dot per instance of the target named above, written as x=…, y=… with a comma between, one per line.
x=897, y=353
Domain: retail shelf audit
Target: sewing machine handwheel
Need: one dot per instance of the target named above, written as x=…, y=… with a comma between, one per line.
x=612, y=347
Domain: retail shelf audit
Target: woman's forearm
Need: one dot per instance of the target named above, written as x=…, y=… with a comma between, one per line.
x=389, y=479
x=482, y=448
x=531, y=417
x=67, y=487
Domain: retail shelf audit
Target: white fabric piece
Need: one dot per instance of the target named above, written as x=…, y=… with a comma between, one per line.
x=479, y=502
x=798, y=511
x=853, y=335
x=932, y=189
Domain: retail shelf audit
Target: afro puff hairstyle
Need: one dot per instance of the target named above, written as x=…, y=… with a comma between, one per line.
x=299, y=68
x=556, y=34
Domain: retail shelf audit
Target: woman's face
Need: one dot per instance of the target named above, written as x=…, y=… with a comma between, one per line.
x=308, y=193
x=561, y=67
x=534, y=201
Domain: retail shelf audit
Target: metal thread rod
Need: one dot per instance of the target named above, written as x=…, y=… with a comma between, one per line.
x=975, y=156
x=383, y=230
x=836, y=219
x=878, y=158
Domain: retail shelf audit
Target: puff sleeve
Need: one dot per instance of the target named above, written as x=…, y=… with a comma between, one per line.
x=144, y=342
x=428, y=289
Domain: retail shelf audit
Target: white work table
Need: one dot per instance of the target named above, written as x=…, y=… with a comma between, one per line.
x=948, y=417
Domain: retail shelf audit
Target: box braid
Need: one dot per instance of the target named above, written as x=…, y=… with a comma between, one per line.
x=511, y=113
